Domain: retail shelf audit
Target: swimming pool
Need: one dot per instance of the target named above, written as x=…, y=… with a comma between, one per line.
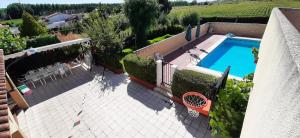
x=233, y=52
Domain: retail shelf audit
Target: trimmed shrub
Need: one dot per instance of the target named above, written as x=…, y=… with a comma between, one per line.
x=163, y=30
x=263, y=20
x=149, y=42
x=142, y=68
x=42, y=40
x=188, y=80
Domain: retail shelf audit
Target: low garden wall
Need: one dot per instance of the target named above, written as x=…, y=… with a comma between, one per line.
x=173, y=43
x=239, y=29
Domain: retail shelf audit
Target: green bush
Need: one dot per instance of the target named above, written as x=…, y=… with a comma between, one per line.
x=42, y=40
x=144, y=69
x=191, y=19
x=188, y=80
x=162, y=30
x=228, y=113
x=9, y=43
x=127, y=51
x=149, y=42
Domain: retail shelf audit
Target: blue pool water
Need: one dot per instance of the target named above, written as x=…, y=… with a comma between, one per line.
x=234, y=52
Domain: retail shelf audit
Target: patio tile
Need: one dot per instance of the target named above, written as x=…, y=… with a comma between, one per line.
x=114, y=107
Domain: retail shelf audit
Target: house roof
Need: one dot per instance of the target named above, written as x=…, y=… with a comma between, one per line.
x=46, y=17
x=4, y=123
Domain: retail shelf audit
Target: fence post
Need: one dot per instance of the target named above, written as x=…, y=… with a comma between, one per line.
x=158, y=72
x=173, y=69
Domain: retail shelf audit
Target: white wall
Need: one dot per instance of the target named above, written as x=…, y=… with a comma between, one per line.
x=274, y=104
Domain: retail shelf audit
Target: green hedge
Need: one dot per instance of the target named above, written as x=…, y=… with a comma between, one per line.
x=42, y=40
x=142, y=68
x=188, y=80
x=163, y=30
x=157, y=39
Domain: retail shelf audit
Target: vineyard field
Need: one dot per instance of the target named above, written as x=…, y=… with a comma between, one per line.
x=242, y=9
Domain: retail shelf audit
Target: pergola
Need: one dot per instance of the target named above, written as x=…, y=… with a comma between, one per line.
x=84, y=41
x=11, y=88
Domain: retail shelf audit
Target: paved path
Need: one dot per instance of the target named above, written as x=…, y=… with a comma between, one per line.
x=81, y=105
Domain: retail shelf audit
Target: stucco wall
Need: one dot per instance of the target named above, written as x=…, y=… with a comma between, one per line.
x=239, y=29
x=274, y=104
x=171, y=44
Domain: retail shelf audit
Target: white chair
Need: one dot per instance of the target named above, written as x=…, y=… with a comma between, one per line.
x=33, y=76
x=60, y=69
x=194, y=58
x=44, y=73
x=52, y=71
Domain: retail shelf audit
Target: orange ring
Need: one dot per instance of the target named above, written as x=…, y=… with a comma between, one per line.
x=194, y=94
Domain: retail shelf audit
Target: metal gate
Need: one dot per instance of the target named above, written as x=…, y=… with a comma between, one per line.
x=167, y=75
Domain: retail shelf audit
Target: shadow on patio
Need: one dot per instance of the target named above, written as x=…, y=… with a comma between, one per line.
x=197, y=127
x=79, y=77
x=147, y=97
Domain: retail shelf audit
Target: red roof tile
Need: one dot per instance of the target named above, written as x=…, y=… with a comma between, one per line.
x=4, y=124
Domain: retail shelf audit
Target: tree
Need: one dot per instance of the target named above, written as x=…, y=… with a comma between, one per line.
x=165, y=6
x=30, y=26
x=105, y=40
x=14, y=10
x=141, y=14
x=190, y=19
x=194, y=2
x=9, y=43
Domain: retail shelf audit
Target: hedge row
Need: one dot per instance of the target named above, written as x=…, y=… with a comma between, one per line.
x=42, y=40
x=159, y=31
x=262, y=20
x=188, y=80
x=142, y=68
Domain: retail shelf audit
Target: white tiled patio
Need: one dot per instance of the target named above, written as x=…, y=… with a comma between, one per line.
x=82, y=105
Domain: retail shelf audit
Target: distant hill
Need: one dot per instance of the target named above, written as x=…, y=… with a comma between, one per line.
x=234, y=9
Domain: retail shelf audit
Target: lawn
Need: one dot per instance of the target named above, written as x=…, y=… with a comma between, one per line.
x=242, y=9
x=16, y=22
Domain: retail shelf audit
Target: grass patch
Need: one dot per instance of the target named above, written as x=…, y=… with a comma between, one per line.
x=13, y=22
x=157, y=39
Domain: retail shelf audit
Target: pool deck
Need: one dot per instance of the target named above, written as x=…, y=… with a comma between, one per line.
x=182, y=57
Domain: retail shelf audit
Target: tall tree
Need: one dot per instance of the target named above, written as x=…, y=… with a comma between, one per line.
x=14, y=10
x=141, y=14
x=105, y=40
x=165, y=6
x=30, y=26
